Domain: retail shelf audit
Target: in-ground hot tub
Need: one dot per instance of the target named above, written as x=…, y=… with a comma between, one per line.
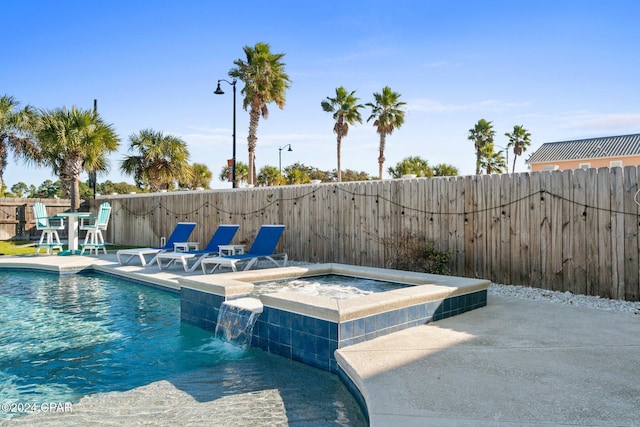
x=309, y=328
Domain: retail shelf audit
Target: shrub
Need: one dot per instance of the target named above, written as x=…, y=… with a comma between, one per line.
x=410, y=252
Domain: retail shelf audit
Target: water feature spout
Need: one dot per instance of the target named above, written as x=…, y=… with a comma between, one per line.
x=236, y=319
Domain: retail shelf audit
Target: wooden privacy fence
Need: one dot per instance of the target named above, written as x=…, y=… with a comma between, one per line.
x=571, y=231
x=16, y=216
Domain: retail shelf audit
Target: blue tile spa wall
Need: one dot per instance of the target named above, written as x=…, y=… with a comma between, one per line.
x=314, y=341
x=298, y=337
x=200, y=308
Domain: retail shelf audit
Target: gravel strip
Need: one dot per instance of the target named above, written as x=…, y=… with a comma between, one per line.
x=566, y=298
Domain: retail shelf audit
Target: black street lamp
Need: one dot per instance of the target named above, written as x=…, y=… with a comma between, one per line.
x=219, y=91
x=280, y=155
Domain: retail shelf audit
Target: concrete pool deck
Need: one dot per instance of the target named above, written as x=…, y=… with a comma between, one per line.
x=513, y=362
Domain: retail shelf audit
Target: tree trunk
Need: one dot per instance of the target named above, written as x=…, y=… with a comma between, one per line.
x=72, y=171
x=252, y=140
x=339, y=144
x=381, y=158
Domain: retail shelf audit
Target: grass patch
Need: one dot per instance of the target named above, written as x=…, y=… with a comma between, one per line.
x=17, y=247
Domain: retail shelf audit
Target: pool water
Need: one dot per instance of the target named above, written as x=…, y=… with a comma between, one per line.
x=65, y=337
x=328, y=285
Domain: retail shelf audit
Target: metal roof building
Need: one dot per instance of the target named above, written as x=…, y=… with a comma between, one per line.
x=623, y=150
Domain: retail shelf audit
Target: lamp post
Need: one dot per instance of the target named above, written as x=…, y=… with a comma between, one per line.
x=219, y=91
x=280, y=155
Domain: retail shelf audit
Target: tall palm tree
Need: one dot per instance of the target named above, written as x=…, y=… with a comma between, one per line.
x=482, y=134
x=15, y=133
x=388, y=113
x=160, y=160
x=344, y=107
x=265, y=81
x=73, y=141
x=520, y=140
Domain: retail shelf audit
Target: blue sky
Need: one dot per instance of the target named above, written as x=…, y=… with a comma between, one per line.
x=562, y=69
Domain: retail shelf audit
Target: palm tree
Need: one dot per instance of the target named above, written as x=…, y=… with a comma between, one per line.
x=388, y=113
x=242, y=173
x=160, y=160
x=520, y=140
x=481, y=135
x=412, y=165
x=345, y=112
x=73, y=141
x=200, y=177
x=493, y=161
x=270, y=175
x=15, y=135
x=444, y=169
x=265, y=81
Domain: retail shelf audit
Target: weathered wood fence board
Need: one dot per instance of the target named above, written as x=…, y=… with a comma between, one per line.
x=16, y=216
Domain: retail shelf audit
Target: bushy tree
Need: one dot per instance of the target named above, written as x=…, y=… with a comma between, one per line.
x=200, y=177
x=269, y=176
x=412, y=165
x=349, y=175
x=443, y=169
x=109, y=187
x=49, y=190
x=159, y=160
x=21, y=189
x=242, y=173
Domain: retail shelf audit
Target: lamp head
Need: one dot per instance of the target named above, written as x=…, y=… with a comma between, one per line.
x=290, y=149
x=218, y=90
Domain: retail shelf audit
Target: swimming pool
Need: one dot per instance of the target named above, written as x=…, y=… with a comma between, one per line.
x=65, y=337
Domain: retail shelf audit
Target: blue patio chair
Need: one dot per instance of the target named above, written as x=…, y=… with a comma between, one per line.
x=223, y=236
x=94, y=226
x=49, y=239
x=180, y=234
x=263, y=247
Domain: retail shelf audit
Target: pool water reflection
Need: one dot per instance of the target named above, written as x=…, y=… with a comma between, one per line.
x=65, y=337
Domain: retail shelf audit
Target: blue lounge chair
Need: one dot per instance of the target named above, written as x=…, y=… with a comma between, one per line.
x=180, y=234
x=223, y=236
x=263, y=247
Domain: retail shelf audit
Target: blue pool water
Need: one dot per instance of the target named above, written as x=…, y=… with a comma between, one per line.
x=65, y=337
